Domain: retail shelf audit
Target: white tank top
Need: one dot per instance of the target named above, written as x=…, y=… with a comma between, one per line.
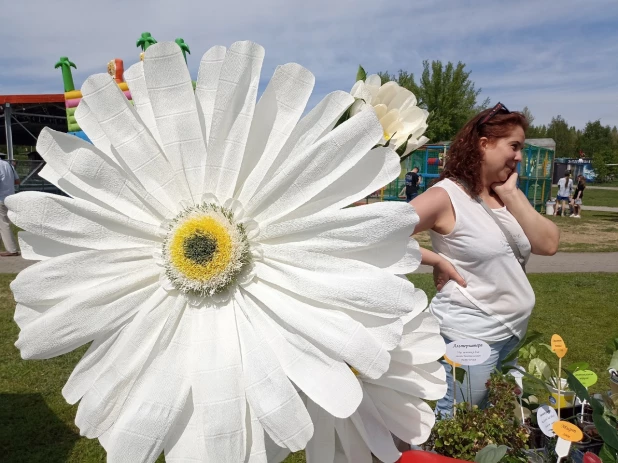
x=498, y=299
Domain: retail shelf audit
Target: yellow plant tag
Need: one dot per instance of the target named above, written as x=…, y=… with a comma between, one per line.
x=561, y=352
x=450, y=362
x=557, y=343
x=567, y=431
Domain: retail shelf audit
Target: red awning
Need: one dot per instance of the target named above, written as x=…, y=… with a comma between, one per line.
x=30, y=99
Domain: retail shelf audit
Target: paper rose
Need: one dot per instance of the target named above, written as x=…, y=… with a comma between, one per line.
x=207, y=253
x=402, y=121
x=391, y=404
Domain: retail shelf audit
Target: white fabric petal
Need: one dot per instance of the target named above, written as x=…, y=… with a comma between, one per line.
x=408, y=417
x=378, y=168
x=206, y=87
x=327, y=382
x=78, y=223
x=376, y=233
x=321, y=447
x=425, y=381
x=156, y=401
x=340, y=282
x=35, y=247
x=276, y=115
x=233, y=112
x=270, y=394
x=90, y=125
x=182, y=444
x=172, y=97
x=374, y=431
x=53, y=177
x=317, y=167
x=421, y=341
x=410, y=262
x=134, y=76
x=315, y=125
x=94, y=173
x=385, y=330
x=150, y=330
x=373, y=80
x=256, y=446
x=218, y=394
x=83, y=316
x=134, y=147
x=332, y=331
x=351, y=443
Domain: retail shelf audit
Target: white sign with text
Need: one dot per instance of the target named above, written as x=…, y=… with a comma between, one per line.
x=468, y=351
x=546, y=417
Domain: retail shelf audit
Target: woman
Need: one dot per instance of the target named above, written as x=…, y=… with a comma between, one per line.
x=565, y=186
x=578, y=196
x=483, y=291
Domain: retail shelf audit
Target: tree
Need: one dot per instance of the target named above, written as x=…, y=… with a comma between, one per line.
x=67, y=77
x=564, y=136
x=529, y=117
x=447, y=92
x=184, y=47
x=145, y=41
x=598, y=143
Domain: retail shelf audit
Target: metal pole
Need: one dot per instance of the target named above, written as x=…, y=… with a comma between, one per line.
x=8, y=130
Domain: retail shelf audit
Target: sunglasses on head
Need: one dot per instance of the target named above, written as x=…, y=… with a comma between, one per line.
x=495, y=110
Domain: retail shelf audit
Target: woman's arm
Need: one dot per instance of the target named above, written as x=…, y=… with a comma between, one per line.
x=543, y=234
x=433, y=208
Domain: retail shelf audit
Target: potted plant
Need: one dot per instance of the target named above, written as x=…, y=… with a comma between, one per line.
x=612, y=349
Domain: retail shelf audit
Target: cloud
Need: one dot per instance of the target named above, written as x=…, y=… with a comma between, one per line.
x=554, y=57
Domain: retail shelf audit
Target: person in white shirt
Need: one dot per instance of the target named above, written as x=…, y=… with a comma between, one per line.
x=483, y=291
x=565, y=188
x=7, y=188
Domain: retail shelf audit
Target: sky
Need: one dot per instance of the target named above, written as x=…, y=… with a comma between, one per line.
x=558, y=57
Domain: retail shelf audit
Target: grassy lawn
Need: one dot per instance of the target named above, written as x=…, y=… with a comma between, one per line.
x=38, y=425
x=594, y=197
x=594, y=232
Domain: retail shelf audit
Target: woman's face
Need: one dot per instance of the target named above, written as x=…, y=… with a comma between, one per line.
x=500, y=157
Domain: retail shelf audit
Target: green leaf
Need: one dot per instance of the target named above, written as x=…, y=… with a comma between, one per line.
x=608, y=455
x=607, y=432
x=404, y=145
x=525, y=341
x=491, y=454
x=361, y=74
x=541, y=367
x=460, y=375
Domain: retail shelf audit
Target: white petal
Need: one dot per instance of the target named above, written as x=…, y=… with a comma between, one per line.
x=82, y=317
x=402, y=99
x=319, y=122
x=379, y=167
x=218, y=393
x=421, y=341
x=134, y=76
x=381, y=110
x=409, y=262
x=352, y=443
x=333, y=332
x=387, y=92
x=94, y=173
x=374, y=431
x=206, y=86
x=377, y=233
x=373, y=80
x=136, y=150
x=358, y=106
x=91, y=127
x=317, y=167
x=152, y=327
x=328, y=382
x=233, y=112
x=425, y=381
x=155, y=402
x=408, y=417
x=256, y=446
x=182, y=444
x=35, y=247
x=321, y=447
x=78, y=223
x=270, y=394
x=276, y=115
x=340, y=282
x=172, y=97
x=385, y=330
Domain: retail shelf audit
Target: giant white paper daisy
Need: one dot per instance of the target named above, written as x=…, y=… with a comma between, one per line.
x=391, y=404
x=207, y=255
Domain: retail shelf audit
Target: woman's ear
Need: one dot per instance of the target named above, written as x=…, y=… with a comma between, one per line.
x=483, y=143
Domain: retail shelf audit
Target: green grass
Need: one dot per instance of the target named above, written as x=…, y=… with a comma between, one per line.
x=594, y=197
x=38, y=425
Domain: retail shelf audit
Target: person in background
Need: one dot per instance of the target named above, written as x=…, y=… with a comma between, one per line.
x=473, y=215
x=578, y=196
x=7, y=188
x=412, y=182
x=565, y=188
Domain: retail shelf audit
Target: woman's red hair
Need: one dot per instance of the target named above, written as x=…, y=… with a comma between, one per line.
x=464, y=156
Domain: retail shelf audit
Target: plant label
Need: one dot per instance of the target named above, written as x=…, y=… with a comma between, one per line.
x=567, y=431
x=468, y=351
x=518, y=375
x=557, y=342
x=546, y=417
x=561, y=352
x=450, y=362
x=586, y=377
x=562, y=448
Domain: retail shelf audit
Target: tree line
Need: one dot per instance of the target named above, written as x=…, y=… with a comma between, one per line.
x=450, y=96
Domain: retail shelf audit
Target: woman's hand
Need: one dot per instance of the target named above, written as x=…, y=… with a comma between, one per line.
x=443, y=272
x=506, y=189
